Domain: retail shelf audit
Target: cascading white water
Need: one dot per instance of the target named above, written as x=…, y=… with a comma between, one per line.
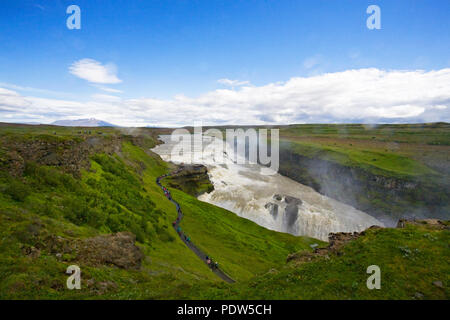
x=272, y=201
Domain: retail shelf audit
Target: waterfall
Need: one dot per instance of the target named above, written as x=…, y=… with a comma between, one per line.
x=272, y=201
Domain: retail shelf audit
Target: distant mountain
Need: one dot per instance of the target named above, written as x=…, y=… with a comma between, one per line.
x=92, y=122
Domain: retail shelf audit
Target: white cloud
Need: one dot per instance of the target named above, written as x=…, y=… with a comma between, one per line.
x=105, y=97
x=11, y=101
x=364, y=95
x=93, y=71
x=107, y=89
x=233, y=83
x=30, y=89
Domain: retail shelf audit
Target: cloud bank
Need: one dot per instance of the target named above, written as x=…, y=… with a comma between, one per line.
x=364, y=95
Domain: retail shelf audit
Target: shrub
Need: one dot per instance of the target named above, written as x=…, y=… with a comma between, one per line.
x=17, y=190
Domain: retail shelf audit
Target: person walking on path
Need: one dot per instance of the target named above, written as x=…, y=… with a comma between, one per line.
x=187, y=240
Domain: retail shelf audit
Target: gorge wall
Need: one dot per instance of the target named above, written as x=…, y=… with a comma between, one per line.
x=384, y=197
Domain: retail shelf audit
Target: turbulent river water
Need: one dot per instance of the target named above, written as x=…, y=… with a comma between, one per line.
x=272, y=201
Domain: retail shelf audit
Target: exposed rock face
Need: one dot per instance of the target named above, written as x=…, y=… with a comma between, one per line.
x=191, y=170
x=292, y=201
x=13, y=162
x=429, y=223
x=385, y=198
x=69, y=154
x=287, y=207
x=31, y=252
x=273, y=209
x=114, y=249
x=192, y=179
x=336, y=242
x=291, y=212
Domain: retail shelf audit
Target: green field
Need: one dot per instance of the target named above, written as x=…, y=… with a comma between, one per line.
x=398, y=150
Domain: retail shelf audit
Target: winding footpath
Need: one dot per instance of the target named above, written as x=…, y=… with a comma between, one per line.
x=187, y=241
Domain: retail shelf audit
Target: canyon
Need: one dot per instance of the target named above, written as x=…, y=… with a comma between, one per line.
x=273, y=201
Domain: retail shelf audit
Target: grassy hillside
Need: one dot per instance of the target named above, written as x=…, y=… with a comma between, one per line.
x=114, y=191
x=413, y=263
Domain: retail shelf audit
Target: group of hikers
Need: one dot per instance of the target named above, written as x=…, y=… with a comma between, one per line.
x=211, y=264
x=180, y=233
x=167, y=193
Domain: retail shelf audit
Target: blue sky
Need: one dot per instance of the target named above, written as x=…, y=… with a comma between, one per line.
x=161, y=50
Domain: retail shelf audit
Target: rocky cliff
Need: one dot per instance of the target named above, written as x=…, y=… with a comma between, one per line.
x=71, y=155
x=385, y=197
x=192, y=179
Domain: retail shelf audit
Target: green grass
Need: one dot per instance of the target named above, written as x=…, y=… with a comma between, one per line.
x=410, y=260
x=378, y=162
x=422, y=133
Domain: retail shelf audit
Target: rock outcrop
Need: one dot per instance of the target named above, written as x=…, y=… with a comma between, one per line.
x=192, y=179
x=117, y=249
x=429, y=223
x=288, y=207
x=69, y=154
x=335, y=242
